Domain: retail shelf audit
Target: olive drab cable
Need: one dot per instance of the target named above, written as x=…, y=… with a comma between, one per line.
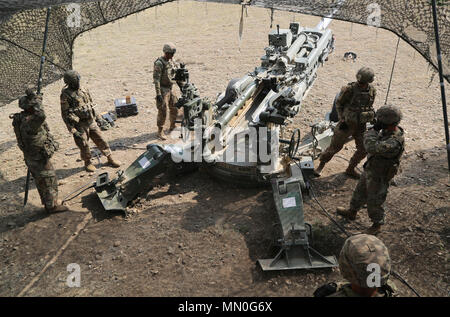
x=394, y=273
x=79, y=191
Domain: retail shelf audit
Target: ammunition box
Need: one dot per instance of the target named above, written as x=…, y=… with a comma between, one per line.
x=124, y=109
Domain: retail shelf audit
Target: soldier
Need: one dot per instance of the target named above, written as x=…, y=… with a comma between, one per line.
x=365, y=263
x=385, y=145
x=38, y=145
x=163, y=73
x=354, y=106
x=77, y=110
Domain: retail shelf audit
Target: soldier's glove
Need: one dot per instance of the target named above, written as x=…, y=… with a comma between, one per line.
x=325, y=290
x=102, y=123
x=343, y=126
x=159, y=99
x=378, y=126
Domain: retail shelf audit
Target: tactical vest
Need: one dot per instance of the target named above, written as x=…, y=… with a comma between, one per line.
x=383, y=165
x=34, y=144
x=360, y=108
x=167, y=73
x=79, y=104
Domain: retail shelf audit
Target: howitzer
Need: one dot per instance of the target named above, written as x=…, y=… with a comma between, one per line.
x=239, y=139
x=193, y=106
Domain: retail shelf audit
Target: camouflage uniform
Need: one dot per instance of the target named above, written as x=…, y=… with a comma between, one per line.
x=78, y=113
x=358, y=252
x=163, y=73
x=385, y=149
x=354, y=106
x=351, y=103
x=385, y=145
x=38, y=145
x=77, y=110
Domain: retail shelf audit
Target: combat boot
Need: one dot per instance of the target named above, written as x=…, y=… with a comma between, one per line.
x=89, y=167
x=161, y=134
x=58, y=207
x=374, y=230
x=319, y=169
x=347, y=213
x=113, y=162
x=350, y=171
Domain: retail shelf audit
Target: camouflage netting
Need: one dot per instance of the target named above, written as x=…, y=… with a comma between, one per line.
x=22, y=25
x=412, y=20
x=22, y=30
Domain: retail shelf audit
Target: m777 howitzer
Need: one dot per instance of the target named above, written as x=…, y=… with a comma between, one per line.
x=237, y=139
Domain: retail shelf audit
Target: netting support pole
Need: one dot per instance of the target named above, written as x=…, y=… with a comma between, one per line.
x=39, y=85
x=44, y=47
x=392, y=71
x=441, y=79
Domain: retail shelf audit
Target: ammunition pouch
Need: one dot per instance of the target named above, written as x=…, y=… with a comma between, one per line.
x=356, y=117
x=16, y=124
x=360, y=109
x=50, y=147
x=382, y=167
x=84, y=112
x=80, y=107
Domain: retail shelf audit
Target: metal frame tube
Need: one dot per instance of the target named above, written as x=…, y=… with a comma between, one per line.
x=441, y=79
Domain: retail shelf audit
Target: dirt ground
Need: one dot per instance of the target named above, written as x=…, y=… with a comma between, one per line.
x=196, y=236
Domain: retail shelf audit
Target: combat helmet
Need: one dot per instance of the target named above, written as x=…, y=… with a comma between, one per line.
x=72, y=78
x=389, y=115
x=365, y=75
x=360, y=251
x=169, y=48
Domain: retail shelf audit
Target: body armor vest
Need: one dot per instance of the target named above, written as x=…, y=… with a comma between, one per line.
x=80, y=104
x=167, y=73
x=360, y=108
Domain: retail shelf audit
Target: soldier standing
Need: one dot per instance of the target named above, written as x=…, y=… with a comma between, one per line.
x=354, y=106
x=163, y=73
x=385, y=145
x=77, y=110
x=365, y=263
x=38, y=146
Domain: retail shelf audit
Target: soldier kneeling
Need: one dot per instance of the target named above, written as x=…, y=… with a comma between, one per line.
x=38, y=145
x=365, y=263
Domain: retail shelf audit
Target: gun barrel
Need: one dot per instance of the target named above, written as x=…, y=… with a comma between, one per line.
x=295, y=47
x=238, y=104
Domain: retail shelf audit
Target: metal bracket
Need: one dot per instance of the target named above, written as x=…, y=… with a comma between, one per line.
x=296, y=251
